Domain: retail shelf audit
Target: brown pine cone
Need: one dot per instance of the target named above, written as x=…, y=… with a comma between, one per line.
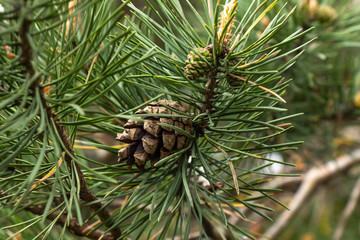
x=148, y=140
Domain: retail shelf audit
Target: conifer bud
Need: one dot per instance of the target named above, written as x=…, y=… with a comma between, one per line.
x=326, y=14
x=199, y=62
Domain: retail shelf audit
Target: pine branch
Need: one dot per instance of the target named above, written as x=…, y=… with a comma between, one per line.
x=85, y=194
x=73, y=225
x=83, y=230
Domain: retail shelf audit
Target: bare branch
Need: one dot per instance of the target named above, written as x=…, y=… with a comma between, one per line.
x=348, y=210
x=312, y=179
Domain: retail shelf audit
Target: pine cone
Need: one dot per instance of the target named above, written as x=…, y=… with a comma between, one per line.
x=148, y=140
x=196, y=66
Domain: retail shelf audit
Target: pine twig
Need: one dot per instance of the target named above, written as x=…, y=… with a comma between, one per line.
x=85, y=194
x=348, y=210
x=312, y=179
x=210, y=87
x=73, y=225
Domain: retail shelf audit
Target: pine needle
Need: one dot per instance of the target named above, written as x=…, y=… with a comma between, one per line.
x=49, y=174
x=97, y=148
x=261, y=87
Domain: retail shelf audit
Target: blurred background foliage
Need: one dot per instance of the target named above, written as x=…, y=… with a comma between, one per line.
x=326, y=88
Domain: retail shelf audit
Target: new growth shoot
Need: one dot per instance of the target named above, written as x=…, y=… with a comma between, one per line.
x=226, y=22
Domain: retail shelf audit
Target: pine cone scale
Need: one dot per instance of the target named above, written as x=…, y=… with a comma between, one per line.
x=127, y=151
x=168, y=140
x=150, y=143
x=152, y=127
x=180, y=142
x=140, y=155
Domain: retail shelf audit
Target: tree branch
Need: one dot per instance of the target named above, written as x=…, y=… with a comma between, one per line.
x=210, y=88
x=348, y=210
x=85, y=194
x=311, y=180
x=73, y=225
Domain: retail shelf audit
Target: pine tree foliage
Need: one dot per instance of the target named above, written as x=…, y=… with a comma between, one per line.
x=69, y=71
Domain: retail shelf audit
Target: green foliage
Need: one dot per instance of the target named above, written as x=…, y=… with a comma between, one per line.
x=94, y=77
x=326, y=75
